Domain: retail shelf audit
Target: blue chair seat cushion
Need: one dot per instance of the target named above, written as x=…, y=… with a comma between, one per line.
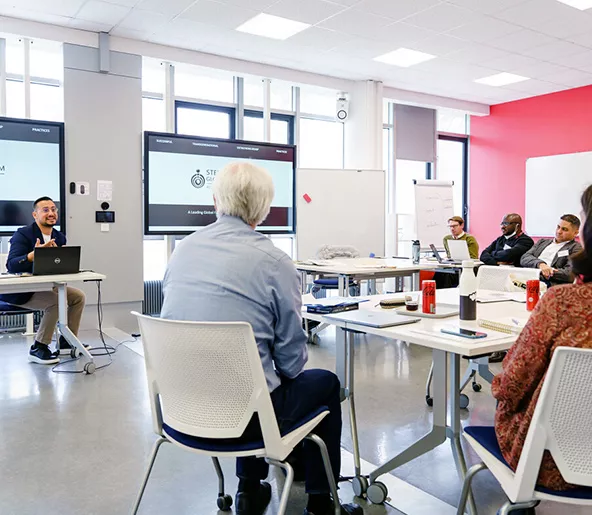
x=233, y=444
x=9, y=309
x=331, y=282
x=485, y=435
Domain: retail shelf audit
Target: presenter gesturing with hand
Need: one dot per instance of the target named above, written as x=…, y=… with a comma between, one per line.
x=50, y=243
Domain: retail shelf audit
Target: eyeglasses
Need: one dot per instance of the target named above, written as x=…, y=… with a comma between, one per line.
x=505, y=224
x=46, y=210
x=453, y=226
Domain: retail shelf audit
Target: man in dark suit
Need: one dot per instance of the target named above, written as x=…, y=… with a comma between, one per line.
x=510, y=246
x=552, y=255
x=23, y=243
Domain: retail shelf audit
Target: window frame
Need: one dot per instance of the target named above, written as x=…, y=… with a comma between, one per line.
x=197, y=106
x=465, y=171
x=252, y=113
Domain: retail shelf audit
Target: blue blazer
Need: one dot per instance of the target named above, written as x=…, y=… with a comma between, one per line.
x=22, y=242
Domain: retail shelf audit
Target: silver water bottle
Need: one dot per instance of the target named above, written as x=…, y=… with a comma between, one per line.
x=415, y=251
x=468, y=291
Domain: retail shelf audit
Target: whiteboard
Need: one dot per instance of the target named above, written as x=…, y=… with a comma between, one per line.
x=434, y=205
x=347, y=207
x=554, y=185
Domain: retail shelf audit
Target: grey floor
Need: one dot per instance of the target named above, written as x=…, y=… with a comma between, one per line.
x=76, y=444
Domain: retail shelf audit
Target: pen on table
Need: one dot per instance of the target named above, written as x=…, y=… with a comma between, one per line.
x=515, y=321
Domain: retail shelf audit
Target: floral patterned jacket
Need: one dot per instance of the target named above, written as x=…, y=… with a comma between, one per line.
x=563, y=318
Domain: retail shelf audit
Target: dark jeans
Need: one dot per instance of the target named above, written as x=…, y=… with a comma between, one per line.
x=293, y=400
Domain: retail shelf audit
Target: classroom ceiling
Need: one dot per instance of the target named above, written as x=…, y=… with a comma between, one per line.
x=545, y=40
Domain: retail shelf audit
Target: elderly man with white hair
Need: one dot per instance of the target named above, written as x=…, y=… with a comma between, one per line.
x=230, y=272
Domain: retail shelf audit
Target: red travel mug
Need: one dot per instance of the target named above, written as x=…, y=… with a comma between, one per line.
x=533, y=293
x=428, y=303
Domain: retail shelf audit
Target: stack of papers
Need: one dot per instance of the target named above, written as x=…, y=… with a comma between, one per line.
x=486, y=296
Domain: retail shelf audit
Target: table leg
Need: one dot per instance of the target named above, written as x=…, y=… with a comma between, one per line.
x=415, y=281
x=63, y=322
x=371, y=286
x=303, y=280
x=341, y=360
x=352, y=406
x=343, y=285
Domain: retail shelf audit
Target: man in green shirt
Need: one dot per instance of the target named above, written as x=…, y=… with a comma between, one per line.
x=457, y=232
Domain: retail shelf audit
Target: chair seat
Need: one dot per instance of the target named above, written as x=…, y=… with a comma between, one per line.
x=486, y=437
x=9, y=309
x=331, y=282
x=224, y=445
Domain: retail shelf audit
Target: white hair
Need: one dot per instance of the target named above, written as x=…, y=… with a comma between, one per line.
x=244, y=190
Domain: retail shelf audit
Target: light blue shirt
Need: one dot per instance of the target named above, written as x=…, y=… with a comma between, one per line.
x=227, y=272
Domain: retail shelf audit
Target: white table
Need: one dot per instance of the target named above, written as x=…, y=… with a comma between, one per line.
x=368, y=269
x=37, y=283
x=447, y=352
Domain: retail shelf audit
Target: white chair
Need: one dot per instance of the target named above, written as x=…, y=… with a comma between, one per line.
x=499, y=278
x=560, y=424
x=206, y=382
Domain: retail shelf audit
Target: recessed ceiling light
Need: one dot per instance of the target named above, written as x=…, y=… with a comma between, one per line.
x=502, y=79
x=274, y=27
x=582, y=5
x=404, y=57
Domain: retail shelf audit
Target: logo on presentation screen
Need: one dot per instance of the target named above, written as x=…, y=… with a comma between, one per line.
x=2, y=169
x=57, y=261
x=198, y=180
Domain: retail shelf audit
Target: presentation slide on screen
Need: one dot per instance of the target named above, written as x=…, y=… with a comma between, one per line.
x=29, y=169
x=180, y=176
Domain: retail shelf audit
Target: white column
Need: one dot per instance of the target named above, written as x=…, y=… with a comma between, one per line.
x=27, y=82
x=267, y=110
x=2, y=77
x=170, y=113
x=363, y=128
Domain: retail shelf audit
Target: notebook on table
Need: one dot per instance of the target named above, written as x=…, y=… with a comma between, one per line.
x=373, y=318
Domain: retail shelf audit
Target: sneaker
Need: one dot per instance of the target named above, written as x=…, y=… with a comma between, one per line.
x=40, y=353
x=65, y=347
x=346, y=509
x=248, y=503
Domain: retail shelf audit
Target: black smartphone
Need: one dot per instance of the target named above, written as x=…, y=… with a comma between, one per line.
x=465, y=333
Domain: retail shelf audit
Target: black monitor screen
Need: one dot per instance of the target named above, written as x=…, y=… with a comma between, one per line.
x=31, y=166
x=179, y=172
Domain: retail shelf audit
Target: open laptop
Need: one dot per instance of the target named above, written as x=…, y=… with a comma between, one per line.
x=56, y=260
x=457, y=257
x=373, y=318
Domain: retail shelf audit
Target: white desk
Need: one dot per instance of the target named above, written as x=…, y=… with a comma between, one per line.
x=446, y=350
x=365, y=269
x=36, y=283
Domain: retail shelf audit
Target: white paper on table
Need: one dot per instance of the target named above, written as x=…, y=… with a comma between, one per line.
x=104, y=190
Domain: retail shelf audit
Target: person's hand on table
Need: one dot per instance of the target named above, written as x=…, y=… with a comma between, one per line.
x=50, y=243
x=546, y=270
x=504, y=263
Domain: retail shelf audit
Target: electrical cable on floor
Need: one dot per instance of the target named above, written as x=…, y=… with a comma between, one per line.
x=105, y=350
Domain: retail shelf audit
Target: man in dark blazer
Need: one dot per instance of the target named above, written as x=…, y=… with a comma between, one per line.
x=552, y=255
x=510, y=246
x=41, y=233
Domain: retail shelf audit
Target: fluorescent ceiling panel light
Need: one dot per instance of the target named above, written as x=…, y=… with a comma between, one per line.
x=582, y=5
x=404, y=57
x=274, y=27
x=502, y=79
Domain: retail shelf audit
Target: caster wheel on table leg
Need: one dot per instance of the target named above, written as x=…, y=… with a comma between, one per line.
x=464, y=401
x=429, y=401
x=477, y=387
x=224, y=502
x=359, y=485
x=74, y=353
x=313, y=339
x=377, y=493
x=90, y=368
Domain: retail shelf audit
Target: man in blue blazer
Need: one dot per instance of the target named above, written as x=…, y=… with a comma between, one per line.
x=41, y=233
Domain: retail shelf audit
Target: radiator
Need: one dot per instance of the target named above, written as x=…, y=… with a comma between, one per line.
x=18, y=322
x=152, y=298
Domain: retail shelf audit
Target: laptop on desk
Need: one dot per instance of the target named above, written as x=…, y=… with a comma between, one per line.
x=56, y=260
x=459, y=252
x=373, y=318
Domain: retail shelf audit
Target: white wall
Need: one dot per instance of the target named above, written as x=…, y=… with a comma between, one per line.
x=103, y=118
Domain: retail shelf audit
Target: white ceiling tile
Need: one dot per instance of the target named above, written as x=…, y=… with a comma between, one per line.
x=582, y=61
x=582, y=39
x=362, y=48
x=487, y=6
x=440, y=44
x=442, y=17
x=358, y=23
x=541, y=69
x=402, y=34
x=218, y=14
x=67, y=8
x=464, y=72
x=535, y=87
x=533, y=12
x=125, y=3
x=144, y=21
x=396, y=9
x=556, y=50
x=17, y=12
x=170, y=7
x=347, y=3
x=476, y=53
x=91, y=26
x=522, y=40
x=562, y=28
x=258, y=5
x=484, y=28
x=102, y=12
x=320, y=39
x=305, y=11
x=572, y=78
x=122, y=32
x=510, y=62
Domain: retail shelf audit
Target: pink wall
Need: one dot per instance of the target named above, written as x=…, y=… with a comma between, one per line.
x=559, y=123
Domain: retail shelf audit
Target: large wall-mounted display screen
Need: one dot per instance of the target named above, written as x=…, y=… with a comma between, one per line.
x=179, y=172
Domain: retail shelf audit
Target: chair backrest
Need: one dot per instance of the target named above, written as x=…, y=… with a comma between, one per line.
x=499, y=278
x=3, y=258
x=561, y=422
x=206, y=378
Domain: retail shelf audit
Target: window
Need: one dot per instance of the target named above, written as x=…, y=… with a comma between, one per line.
x=253, y=90
x=321, y=101
x=154, y=259
x=153, y=115
x=47, y=103
x=15, y=56
x=452, y=166
x=15, y=99
x=451, y=120
x=47, y=60
x=153, y=76
x=204, y=83
x=281, y=95
x=205, y=120
x=282, y=127
x=321, y=144
x=285, y=243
